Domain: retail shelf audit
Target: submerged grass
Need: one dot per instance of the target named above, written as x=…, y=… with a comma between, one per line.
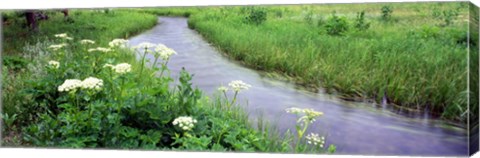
x=415, y=59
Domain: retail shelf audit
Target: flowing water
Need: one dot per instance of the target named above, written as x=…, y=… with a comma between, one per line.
x=355, y=128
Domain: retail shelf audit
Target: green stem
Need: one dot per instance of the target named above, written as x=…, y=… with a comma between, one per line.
x=234, y=98
x=143, y=62
x=164, y=66
x=155, y=63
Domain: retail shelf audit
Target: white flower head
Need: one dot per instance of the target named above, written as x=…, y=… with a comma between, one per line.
x=54, y=64
x=57, y=46
x=70, y=85
x=61, y=35
x=64, y=36
x=315, y=140
x=121, y=43
x=294, y=110
x=163, y=52
x=186, y=123
x=100, y=49
x=145, y=45
x=122, y=68
x=238, y=85
x=92, y=83
x=223, y=89
x=308, y=115
x=87, y=41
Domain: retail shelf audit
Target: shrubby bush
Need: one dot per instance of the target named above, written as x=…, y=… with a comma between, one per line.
x=360, y=22
x=386, y=13
x=336, y=25
x=255, y=15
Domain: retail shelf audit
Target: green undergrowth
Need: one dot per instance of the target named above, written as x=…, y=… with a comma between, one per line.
x=64, y=91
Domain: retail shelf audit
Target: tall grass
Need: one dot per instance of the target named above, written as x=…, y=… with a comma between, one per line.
x=412, y=60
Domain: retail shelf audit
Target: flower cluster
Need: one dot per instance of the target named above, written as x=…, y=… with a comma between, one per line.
x=223, y=89
x=73, y=84
x=57, y=46
x=54, y=64
x=118, y=43
x=70, y=85
x=87, y=41
x=92, y=83
x=145, y=45
x=309, y=114
x=314, y=139
x=238, y=85
x=120, y=68
x=186, y=123
x=100, y=49
x=64, y=36
x=163, y=52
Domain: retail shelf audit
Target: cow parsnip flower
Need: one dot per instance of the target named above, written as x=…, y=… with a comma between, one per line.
x=100, y=49
x=163, y=52
x=56, y=47
x=315, y=140
x=118, y=43
x=185, y=123
x=121, y=68
x=87, y=41
x=70, y=85
x=54, y=64
x=146, y=45
x=63, y=36
x=92, y=83
x=238, y=85
x=223, y=89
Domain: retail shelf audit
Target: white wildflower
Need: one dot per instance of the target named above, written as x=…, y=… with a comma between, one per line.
x=163, y=51
x=87, y=41
x=64, y=36
x=184, y=122
x=54, y=64
x=294, y=110
x=118, y=43
x=70, y=85
x=309, y=115
x=223, y=89
x=92, y=83
x=238, y=85
x=100, y=49
x=315, y=140
x=122, y=68
x=57, y=46
x=145, y=45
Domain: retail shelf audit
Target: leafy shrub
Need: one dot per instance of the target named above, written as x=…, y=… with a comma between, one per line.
x=360, y=22
x=256, y=15
x=14, y=62
x=386, y=13
x=336, y=25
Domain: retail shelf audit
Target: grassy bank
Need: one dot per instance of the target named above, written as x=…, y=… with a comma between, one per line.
x=412, y=54
x=60, y=90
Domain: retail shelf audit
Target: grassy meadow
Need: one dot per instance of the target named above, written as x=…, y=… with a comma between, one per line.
x=411, y=54
x=74, y=84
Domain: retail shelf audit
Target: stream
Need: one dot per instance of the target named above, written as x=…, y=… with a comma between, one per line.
x=354, y=127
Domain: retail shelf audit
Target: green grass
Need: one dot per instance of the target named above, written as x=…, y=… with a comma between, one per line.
x=413, y=60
